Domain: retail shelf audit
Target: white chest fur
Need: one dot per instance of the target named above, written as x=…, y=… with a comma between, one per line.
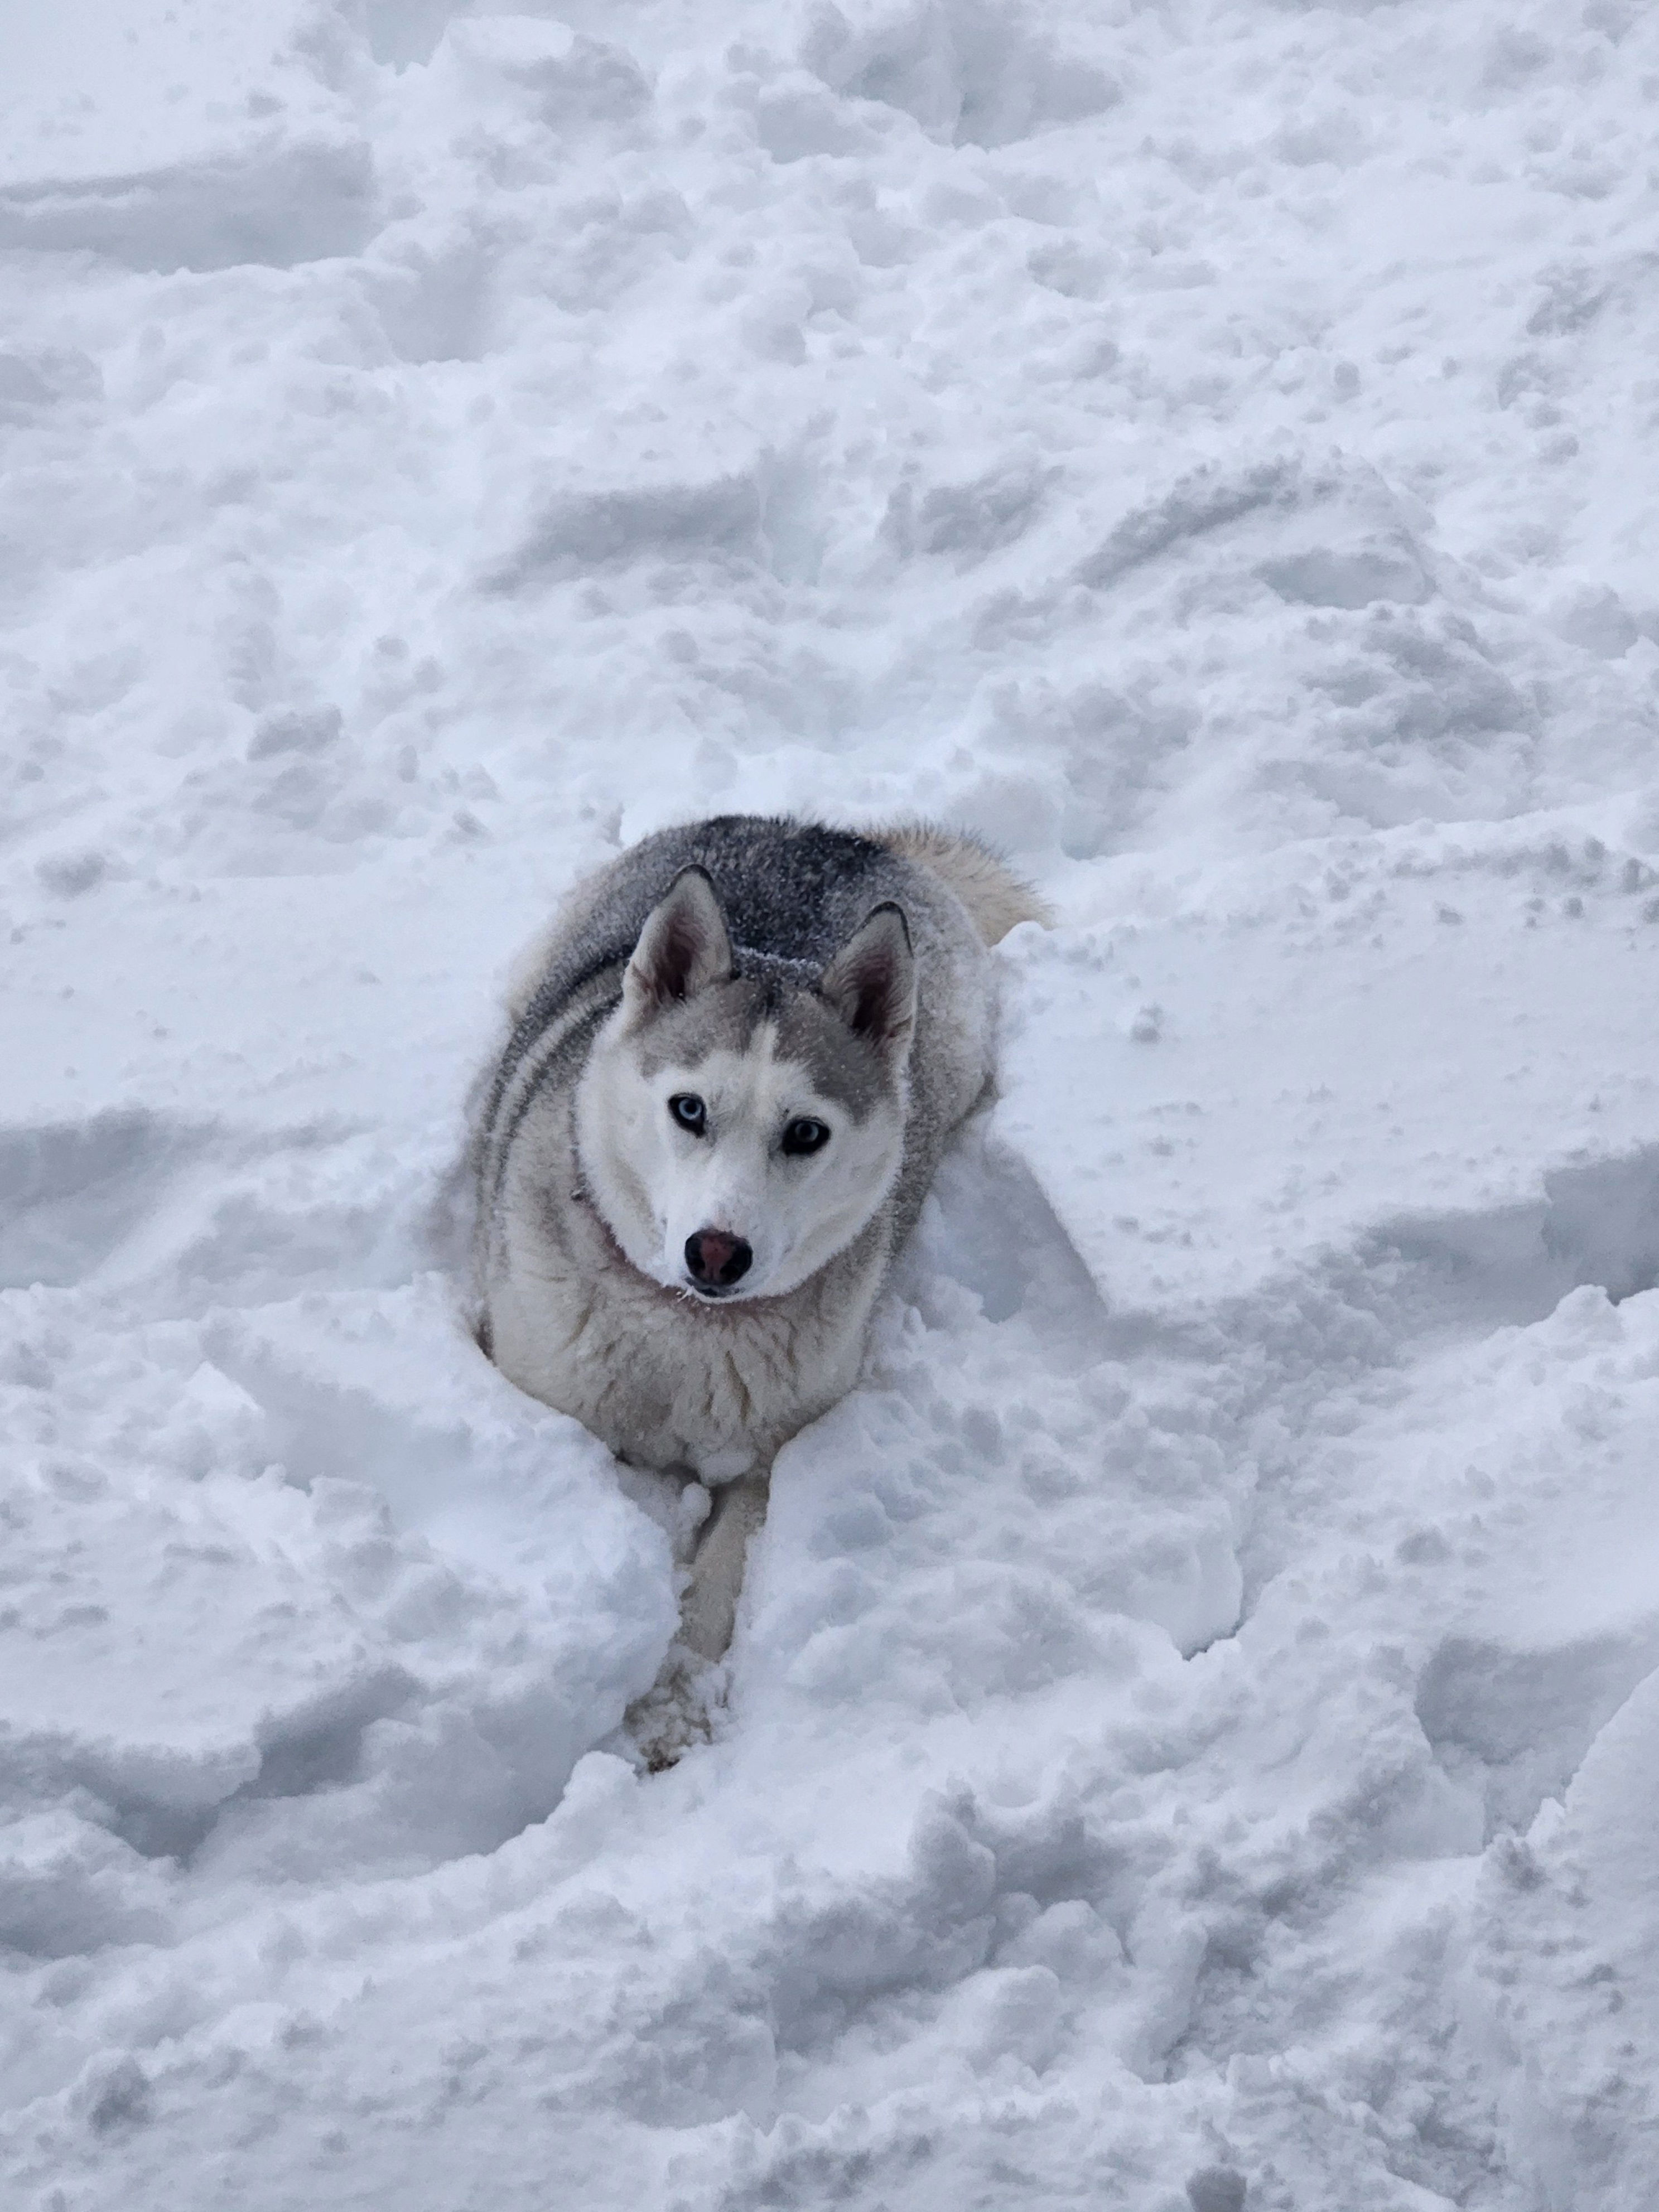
x=665, y=1379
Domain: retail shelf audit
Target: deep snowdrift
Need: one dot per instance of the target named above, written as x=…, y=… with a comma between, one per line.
x=1192, y=1738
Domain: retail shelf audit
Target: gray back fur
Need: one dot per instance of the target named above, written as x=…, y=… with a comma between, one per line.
x=793, y=894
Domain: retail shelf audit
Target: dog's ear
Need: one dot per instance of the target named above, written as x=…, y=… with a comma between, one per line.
x=872, y=981
x=683, y=948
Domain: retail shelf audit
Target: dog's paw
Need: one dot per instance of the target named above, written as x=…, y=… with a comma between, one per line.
x=678, y=1711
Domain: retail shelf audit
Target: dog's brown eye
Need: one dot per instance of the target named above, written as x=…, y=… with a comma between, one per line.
x=804, y=1136
x=689, y=1110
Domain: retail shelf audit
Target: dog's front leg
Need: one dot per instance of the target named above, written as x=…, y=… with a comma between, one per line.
x=708, y=1609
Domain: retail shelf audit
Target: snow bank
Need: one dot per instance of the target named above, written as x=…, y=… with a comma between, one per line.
x=1190, y=1734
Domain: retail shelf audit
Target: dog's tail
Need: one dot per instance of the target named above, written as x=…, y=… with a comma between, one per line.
x=995, y=896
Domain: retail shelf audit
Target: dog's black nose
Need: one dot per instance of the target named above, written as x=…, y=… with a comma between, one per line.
x=714, y=1258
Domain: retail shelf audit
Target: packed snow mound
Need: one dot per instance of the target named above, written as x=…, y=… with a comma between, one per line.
x=1188, y=1742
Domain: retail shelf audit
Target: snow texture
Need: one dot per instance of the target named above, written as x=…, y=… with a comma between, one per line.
x=1192, y=1734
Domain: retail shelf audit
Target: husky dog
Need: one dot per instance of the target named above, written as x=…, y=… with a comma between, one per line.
x=735, y=1059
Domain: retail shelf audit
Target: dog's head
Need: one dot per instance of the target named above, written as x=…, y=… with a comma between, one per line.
x=736, y=1131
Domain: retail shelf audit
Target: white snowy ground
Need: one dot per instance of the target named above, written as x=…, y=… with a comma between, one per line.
x=1193, y=1741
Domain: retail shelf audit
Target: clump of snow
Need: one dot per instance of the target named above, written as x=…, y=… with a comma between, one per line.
x=1189, y=1741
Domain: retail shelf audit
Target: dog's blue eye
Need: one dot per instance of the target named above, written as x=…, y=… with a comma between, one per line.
x=689, y=1110
x=804, y=1136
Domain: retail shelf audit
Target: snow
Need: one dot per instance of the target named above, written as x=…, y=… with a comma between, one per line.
x=1190, y=1739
